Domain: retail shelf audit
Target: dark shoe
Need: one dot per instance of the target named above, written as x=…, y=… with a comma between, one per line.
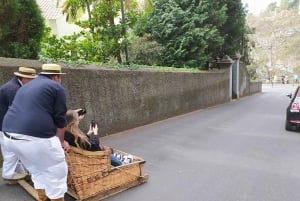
x=9, y=182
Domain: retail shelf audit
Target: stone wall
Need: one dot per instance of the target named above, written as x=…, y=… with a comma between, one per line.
x=246, y=87
x=123, y=99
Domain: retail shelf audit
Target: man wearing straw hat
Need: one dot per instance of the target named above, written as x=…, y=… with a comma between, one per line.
x=33, y=129
x=12, y=170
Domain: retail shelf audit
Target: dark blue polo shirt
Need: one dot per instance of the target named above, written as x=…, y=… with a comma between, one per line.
x=7, y=94
x=38, y=109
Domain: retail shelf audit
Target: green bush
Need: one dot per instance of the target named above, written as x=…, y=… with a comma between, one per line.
x=21, y=29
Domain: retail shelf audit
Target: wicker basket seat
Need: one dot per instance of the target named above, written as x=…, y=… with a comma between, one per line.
x=91, y=176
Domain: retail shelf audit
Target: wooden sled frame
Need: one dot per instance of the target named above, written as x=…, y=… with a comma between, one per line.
x=26, y=186
x=101, y=181
x=108, y=193
x=105, y=179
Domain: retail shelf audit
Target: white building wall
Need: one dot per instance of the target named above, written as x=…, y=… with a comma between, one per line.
x=66, y=29
x=52, y=24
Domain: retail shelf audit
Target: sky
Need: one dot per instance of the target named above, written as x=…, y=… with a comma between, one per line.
x=256, y=6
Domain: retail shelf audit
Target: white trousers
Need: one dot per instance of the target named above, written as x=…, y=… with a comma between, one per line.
x=10, y=167
x=44, y=158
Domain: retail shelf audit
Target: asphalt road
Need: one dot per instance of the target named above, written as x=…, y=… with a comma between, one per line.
x=238, y=151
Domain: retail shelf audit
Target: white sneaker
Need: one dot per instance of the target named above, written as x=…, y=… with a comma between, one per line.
x=127, y=159
x=130, y=158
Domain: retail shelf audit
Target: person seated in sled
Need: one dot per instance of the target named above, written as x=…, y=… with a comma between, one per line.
x=77, y=138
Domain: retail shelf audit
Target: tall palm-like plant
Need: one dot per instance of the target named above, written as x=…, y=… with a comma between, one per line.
x=74, y=9
x=101, y=21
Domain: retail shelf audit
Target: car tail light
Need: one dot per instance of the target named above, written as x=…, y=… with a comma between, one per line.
x=295, y=121
x=295, y=106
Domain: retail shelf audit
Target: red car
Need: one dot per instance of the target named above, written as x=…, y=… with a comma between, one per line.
x=293, y=112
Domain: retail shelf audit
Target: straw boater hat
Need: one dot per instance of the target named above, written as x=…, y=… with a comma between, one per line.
x=51, y=69
x=26, y=72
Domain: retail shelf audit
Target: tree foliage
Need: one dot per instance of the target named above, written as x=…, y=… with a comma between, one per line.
x=145, y=51
x=195, y=32
x=103, y=35
x=141, y=25
x=21, y=29
x=235, y=28
x=179, y=33
x=74, y=9
x=78, y=47
x=272, y=6
x=181, y=28
x=289, y=4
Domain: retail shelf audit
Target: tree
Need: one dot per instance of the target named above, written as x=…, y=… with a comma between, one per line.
x=289, y=4
x=272, y=6
x=234, y=30
x=9, y=10
x=21, y=29
x=141, y=26
x=74, y=9
x=195, y=33
x=294, y=4
x=187, y=30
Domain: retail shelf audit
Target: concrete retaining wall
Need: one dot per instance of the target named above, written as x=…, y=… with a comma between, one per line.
x=246, y=87
x=123, y=99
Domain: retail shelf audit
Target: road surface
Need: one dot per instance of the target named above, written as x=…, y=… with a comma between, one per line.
x=238, y=151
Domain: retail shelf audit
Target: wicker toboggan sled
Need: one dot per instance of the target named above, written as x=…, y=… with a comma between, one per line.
x=91, y=176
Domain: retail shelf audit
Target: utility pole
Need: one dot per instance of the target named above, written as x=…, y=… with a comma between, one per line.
x=271, y=63
x=124, y=30
x=271, y=49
